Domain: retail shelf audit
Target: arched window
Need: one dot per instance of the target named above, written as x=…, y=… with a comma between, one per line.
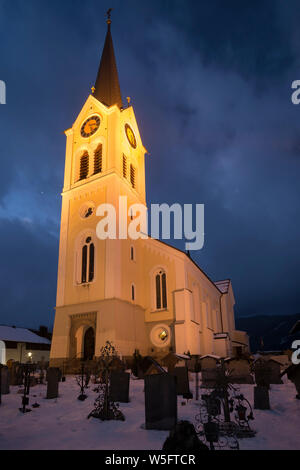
x=132, y=176
x=132, y=292
x=132, y=253
x=88, y=261
x=98, y=159
x=161, y=290
x=84, y=166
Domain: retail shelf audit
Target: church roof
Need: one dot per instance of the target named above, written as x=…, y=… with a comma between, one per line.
x=223, y=286
x=20, y=335
x=107, y=86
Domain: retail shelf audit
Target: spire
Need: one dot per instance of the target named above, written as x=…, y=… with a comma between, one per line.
x=107, y=86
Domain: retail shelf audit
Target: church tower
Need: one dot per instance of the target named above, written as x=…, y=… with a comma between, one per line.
x=104, y=160
x=139, y=294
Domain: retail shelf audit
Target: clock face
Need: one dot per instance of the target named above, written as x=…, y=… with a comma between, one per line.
x=90, y=126
x=130, y=136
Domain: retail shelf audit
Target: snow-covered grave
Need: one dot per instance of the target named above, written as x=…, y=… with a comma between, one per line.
x=62, y=423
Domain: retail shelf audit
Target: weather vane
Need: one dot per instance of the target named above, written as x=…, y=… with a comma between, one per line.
x=108, y=21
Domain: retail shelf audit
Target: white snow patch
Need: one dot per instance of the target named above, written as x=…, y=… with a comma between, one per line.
x=62, y=423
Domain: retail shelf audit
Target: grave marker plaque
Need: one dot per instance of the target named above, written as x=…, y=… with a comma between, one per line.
x=53, y=377
x=262, y=374
x=119, y=386
x=160, y=401
x=16, y=374
x=275, y=372
x=240, y=372
x=182, y=380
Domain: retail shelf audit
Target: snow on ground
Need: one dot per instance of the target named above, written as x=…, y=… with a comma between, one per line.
x=62, y=423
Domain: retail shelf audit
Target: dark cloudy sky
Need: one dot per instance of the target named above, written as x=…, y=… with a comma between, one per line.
x=210, y=83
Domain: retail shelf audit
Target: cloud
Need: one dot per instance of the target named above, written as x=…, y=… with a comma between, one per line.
x=28, y=273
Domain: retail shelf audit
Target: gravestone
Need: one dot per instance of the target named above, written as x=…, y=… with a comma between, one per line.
x=183, y=439
x=119, y=386
x=261, y=398
x=5, y=378
x=239, y=370
x=53, y=377
x=209, y=377
x=209, y=362
x=262, y=371
x=160, y=401
x=182, y=380
x=275, y=371
x=16, y=374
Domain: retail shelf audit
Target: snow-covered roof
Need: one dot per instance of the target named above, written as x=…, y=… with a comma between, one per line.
x=20, y=335
x=212, y=356
x=223, y=286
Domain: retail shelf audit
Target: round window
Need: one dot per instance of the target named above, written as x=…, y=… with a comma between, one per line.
x=160, y=335
x=86, y=210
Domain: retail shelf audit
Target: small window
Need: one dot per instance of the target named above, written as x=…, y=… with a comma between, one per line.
x=98, y=159
x=132, y=176
x=84, y=166
x=132, y=292
x=124, y=166
x=87, y=261
x=161, y=290
x=84, y=263
x=132, y=253
x=158, y=292
x=91, y=263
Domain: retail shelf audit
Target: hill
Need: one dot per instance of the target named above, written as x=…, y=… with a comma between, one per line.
x=273, y=329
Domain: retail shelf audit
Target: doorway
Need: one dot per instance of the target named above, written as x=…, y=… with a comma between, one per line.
x=89, y=345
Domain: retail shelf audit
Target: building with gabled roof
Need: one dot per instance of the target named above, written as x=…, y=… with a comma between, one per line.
x=22, y=345
x=139, y=294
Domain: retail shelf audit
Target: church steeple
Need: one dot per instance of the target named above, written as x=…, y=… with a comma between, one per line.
x=107, y=86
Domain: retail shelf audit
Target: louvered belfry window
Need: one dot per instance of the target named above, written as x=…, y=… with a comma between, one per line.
x=132, y=176
x=84, y=166
x=124, y=166
x=98, y=159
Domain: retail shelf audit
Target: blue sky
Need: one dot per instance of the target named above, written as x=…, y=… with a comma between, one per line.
x=210, y=83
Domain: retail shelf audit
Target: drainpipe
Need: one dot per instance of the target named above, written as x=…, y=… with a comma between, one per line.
x=221, y=313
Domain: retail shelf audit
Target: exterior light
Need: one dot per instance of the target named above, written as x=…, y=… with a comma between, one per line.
x=163, y=335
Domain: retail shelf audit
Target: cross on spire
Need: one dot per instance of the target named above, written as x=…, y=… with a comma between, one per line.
x=108, y=21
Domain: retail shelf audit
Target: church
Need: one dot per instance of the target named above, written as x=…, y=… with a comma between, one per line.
x=138, y=294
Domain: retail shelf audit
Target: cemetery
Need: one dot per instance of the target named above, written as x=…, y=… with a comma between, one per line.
x=142, y=349
x=108, y=407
